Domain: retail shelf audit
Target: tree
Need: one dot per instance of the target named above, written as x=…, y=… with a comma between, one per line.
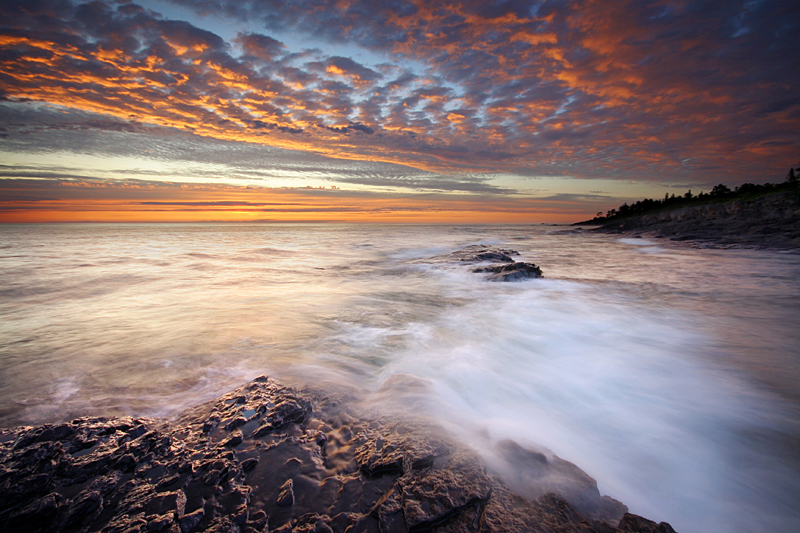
x=720, y=190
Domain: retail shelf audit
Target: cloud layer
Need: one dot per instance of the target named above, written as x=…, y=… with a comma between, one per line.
x=696, y=90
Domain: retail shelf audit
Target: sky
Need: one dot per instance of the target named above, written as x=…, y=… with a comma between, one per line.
x=388, y=111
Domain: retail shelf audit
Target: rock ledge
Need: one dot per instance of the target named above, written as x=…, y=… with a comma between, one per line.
x=267, y=457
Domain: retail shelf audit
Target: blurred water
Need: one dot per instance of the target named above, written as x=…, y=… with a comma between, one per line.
x=671, y=375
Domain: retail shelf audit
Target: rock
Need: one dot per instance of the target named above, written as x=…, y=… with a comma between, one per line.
x=190, y=521
x=770, y=221
x=249, y=464
x=432, y=498
x=376, y=459
x=478, y=253
x=309, y=466
x=39, y=514
x=286, y=412
x=83, y=509
x=511, y=272
x=165, y=503
x=160, y=523
x=286, y=495
x=532, y=474
x=235, y=439
x=632, y=523
x=504, y=269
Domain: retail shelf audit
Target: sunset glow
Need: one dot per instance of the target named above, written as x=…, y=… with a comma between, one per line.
x=403, y=111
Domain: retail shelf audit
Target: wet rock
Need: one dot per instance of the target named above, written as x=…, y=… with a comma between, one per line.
x=432, y=498
x=632, y=523
x=286, y=495
x=235, y=439
x=211, y=423
x=533, y=474
x=190, y=521
x=126, y=463
x=478, y=253
x=490, y=256
x=286, y=412
x=249, y=464
x=83, y=509
x=258, y=521
x=160, y=523
x=172, y=503
x=511, y=272
x=376, y=458
x=39, y=514
x=315, y=467
x=222, y=525
x=504, y=268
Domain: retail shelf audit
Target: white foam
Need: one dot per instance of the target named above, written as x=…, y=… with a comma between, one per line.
x=617, y=388
x=636, y=242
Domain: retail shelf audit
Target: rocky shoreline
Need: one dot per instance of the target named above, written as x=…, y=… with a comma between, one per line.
x=267, y=457
x=771, y=221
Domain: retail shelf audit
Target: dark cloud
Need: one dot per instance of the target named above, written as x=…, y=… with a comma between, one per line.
x=259, y=46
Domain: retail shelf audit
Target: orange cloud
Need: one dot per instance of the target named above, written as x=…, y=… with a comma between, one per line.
x=596, y=81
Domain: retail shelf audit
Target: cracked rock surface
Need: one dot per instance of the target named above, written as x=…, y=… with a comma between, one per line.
x=267, y=457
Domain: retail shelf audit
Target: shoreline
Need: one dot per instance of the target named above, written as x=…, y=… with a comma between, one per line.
x=769, y=222
x=267, y=457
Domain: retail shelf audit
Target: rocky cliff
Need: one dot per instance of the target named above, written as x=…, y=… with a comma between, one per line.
x=771, y=221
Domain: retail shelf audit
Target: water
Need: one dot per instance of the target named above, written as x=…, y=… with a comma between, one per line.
x=669, y=374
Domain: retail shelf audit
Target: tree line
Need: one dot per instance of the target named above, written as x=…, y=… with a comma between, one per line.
x=720, y=193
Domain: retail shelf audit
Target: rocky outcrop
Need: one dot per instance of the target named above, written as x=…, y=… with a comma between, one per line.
x=478, y=253
x=271, y=458
x=501, y=267
x=767, y=222
x=511, y=272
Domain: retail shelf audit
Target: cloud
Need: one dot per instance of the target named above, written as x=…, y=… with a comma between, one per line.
x=693, y=91
x=430, y=182
x=260, y=47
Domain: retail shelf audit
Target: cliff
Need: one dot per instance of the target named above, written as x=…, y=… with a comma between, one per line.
x=771, y=221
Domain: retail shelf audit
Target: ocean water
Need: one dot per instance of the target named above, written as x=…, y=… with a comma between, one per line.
x=669, y=374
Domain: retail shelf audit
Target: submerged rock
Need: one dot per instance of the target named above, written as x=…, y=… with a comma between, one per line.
x=316, y=468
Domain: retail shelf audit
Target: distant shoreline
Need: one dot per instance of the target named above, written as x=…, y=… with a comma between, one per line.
x=768, y=222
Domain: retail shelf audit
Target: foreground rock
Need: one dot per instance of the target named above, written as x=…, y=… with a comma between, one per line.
x=772, y=221
x=271, y=458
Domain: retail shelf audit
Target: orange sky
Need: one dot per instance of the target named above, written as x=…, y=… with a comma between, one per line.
x=152, y=202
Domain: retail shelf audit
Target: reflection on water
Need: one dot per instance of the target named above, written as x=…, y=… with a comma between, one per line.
x=671, y=375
